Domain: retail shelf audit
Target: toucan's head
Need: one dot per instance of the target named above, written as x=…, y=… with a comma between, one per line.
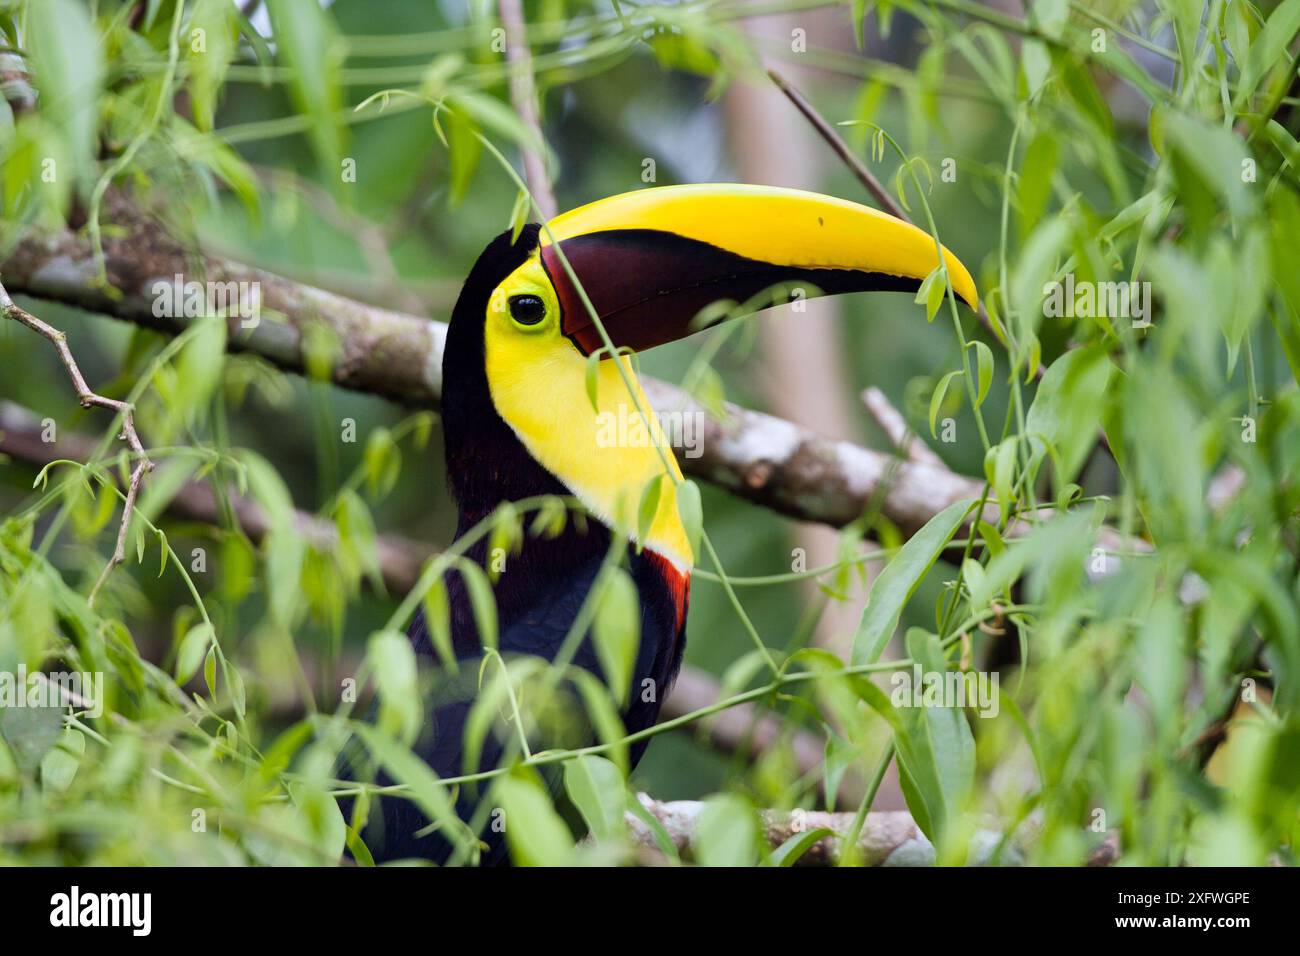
x=518, y=414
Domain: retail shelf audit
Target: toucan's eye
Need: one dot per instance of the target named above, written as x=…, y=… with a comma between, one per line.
x=527, y=309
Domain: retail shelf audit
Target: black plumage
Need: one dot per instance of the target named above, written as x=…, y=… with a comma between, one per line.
x=543, y=587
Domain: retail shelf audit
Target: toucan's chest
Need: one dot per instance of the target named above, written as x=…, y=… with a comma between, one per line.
x=540, y=593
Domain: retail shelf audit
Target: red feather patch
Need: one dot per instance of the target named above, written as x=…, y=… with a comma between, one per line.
x=677, y=581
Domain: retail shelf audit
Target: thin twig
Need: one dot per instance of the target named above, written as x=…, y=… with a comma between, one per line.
x=400, y=559
x=836, y=142
x=891, y=420
x=91, y=399
x=863, y=174
x=523, y=96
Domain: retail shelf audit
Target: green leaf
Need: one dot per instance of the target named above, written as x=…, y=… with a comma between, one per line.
x=465, y=150
x=616, y=630
x=237, y=568
x=931, y=292
x=321, y=349
x=198, y=368
x=648, y=508
x=30, y=732
x=1268, y=47
x=936, y=752
x=221, y=159
x=193, y=648
x=519, y=215
x=534, y=831
x=66, y=57
x=1284, y=216
x=498, y=119
x=1036, y=62
x=392, y=660
x=437, y=616
x=491, y=704
x=1209, y=156
x=1067, y=409
x=162, y=551
x=210, y=671
x=1037, y=548
x=591, y=381
x=604, y=716
x=268, y=489
x=596, y=788
x=216, y=19
x=683, y=51
x=858, y=15
x=1034, y=186
x=60, y=764
x=797, y=844
x=991, y=538
x=285, y=552
x=382, y=463
x=894, y=587
x=307, y=42
x=1035, y=267
x=358, y=543
x=727, y=832
x=427, y=791
x=936, y=401
x=938, y=289
x=1000, y=470
x=691, y=510
x=657, y=832
x=280, y=754
x=505, y=539
x=984, y=365
x=482, y=601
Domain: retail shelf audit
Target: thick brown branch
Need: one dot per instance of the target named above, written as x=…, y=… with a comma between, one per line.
x=765, y=459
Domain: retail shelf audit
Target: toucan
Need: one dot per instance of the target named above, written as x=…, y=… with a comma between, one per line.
x=519, y=421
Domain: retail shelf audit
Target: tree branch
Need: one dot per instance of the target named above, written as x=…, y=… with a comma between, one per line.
x=765, y=459
x=892, y=422
x=523, y=96
x=739, y=729
x=864, y=175
x=91, y=399
x=889, y=838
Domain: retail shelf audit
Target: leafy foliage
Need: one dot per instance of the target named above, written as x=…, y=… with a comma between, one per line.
x=1144, y=624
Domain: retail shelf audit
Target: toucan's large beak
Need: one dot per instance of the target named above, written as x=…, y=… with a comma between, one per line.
x=650, y=260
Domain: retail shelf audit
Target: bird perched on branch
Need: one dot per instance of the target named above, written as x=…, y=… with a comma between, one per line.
x=523, y=406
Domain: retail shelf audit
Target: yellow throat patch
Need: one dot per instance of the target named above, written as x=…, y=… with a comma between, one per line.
x=607, y=455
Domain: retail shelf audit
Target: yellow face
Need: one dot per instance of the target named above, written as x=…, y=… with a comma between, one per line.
x=651, y=258
x=607, y=455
